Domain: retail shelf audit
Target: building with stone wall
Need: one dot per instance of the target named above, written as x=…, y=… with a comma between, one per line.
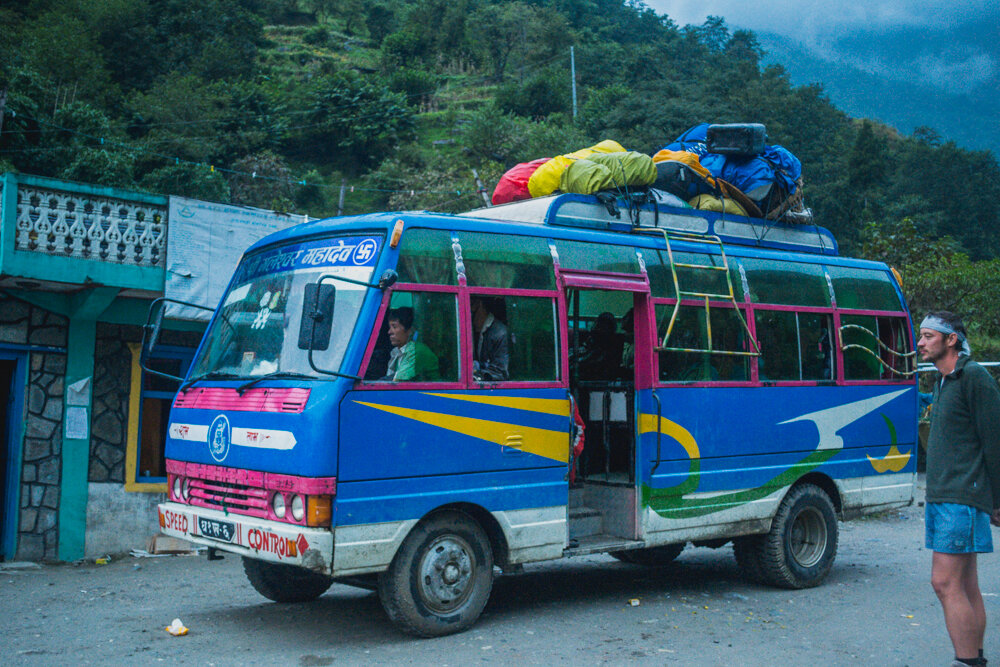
x=82, y=423
x=79, y=266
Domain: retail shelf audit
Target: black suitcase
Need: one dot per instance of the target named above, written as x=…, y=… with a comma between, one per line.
x=736, y=139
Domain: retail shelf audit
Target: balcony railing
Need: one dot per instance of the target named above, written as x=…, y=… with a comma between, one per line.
x=90, y=226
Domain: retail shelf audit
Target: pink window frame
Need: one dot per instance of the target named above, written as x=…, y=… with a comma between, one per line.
x=908, y=328
x=655, y=358
x=463, y=294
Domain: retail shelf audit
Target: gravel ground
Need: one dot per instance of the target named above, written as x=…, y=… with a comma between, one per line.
x=876, y=608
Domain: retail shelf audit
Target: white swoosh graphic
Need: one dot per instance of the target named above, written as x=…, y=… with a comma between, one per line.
x=831, y=420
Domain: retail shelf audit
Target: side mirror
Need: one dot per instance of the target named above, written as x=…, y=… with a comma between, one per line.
x=316, y=321
x=388, y=279
x=153, y=328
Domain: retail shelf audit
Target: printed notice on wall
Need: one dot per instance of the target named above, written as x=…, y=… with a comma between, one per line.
x=204, y=244
x=76, y=424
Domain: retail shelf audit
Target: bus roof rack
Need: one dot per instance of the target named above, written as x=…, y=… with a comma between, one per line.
x=616, y=213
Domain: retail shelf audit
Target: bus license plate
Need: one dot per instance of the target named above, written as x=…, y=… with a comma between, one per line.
x=217, y=530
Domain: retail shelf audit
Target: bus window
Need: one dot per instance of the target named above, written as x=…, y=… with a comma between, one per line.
x=794, y=346
x=728, y=334
x=896, y=352
x=597, y=257
x=815, y=345
x=786, y=283
x=426, y=256
x=500, y=260
x=514, y=338
x=418, y=340
x=661, y=281
x=863, y=288
x=861, y=361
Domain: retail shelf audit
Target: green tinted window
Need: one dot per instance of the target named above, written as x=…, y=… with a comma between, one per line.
x=794, y=346
x=428, y=351
x=859, y=335
x=786, y=283
x=705, y=281
x=427, y=257
x=816, y=349
x=597, y=257
x=693, y=363
x=531, y=323
x=777, y=335
x=863, y=288
x=502, y=260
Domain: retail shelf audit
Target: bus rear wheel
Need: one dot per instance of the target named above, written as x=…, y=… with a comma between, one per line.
x=799, y=550
x=651, y=556
x=285, y=583
x=440, y=579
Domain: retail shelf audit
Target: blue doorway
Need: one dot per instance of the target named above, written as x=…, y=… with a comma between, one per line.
x=13, y=372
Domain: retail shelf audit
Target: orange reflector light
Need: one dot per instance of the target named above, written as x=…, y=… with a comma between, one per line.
x=319, y=510
x=397, y=232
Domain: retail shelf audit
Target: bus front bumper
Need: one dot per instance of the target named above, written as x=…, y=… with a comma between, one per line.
x=311, y=548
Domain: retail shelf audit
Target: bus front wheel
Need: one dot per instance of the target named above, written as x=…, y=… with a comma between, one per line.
x=799, y=550
x=285, y=583
x=441, y=577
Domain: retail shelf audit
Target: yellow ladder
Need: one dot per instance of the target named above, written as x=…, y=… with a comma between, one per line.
x=730, y=296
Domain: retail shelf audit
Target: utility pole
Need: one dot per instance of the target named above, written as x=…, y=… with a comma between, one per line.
x=340, y=202
x=572, y=76
x=481, y=189
x=3, y=105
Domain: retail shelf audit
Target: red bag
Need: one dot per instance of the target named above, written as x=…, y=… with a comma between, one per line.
x=513, y=186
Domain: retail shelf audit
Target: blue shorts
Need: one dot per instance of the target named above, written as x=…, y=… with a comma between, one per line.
x=957, y=529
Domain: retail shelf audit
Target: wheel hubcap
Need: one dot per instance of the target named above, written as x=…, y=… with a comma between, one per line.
x=447, y=570
x=807, y=540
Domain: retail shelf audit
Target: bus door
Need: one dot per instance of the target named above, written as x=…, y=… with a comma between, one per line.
x=606, y=316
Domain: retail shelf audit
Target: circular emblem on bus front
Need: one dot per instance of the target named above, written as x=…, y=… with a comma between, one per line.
x=364, y=252
x=218, y=438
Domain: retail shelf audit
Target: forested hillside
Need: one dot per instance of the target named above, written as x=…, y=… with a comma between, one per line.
x=277, y=103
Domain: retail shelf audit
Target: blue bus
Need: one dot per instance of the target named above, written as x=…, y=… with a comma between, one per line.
x=405, y=401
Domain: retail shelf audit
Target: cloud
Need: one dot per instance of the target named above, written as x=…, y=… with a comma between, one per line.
x=811, y=18
x=949, y=44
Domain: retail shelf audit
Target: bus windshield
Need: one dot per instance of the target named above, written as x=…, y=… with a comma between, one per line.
x=256, y=330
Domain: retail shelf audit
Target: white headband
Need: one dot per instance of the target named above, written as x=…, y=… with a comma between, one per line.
x=937, y=324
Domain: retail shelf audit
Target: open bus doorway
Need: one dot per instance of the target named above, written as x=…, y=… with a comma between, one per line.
x=602, y=381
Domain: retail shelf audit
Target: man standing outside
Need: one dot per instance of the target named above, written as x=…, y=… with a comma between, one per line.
x=963, y=479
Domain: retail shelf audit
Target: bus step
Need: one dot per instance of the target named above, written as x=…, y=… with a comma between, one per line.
x=596, y=544
x=576, y=497
x=584, y=521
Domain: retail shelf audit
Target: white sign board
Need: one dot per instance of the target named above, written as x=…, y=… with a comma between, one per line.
x=204, y=244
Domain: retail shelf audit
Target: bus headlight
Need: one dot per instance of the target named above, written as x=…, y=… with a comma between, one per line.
x=186, y=488
x=176, y=488
x=278, y=505
x=298, y=507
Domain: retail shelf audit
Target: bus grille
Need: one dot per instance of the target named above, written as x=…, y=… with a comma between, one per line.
x=236, y=498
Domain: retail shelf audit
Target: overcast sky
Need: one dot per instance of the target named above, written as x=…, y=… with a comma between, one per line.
x=952, y=43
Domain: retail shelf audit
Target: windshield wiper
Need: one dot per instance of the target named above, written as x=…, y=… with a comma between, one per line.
x=269, y=376
x=211, y=375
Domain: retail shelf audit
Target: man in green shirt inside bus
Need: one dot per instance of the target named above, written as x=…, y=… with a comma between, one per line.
x=963, y=479
x=410, y=360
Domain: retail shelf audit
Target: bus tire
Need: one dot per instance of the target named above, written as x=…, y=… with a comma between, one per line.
x=440, y=579
x=651, y=556
x=285, y=583
x=799, y=550
x=748, y=550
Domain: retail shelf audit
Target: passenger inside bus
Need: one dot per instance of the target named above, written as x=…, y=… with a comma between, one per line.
x=602, y=350
x=490, y=340
x=410, y=360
